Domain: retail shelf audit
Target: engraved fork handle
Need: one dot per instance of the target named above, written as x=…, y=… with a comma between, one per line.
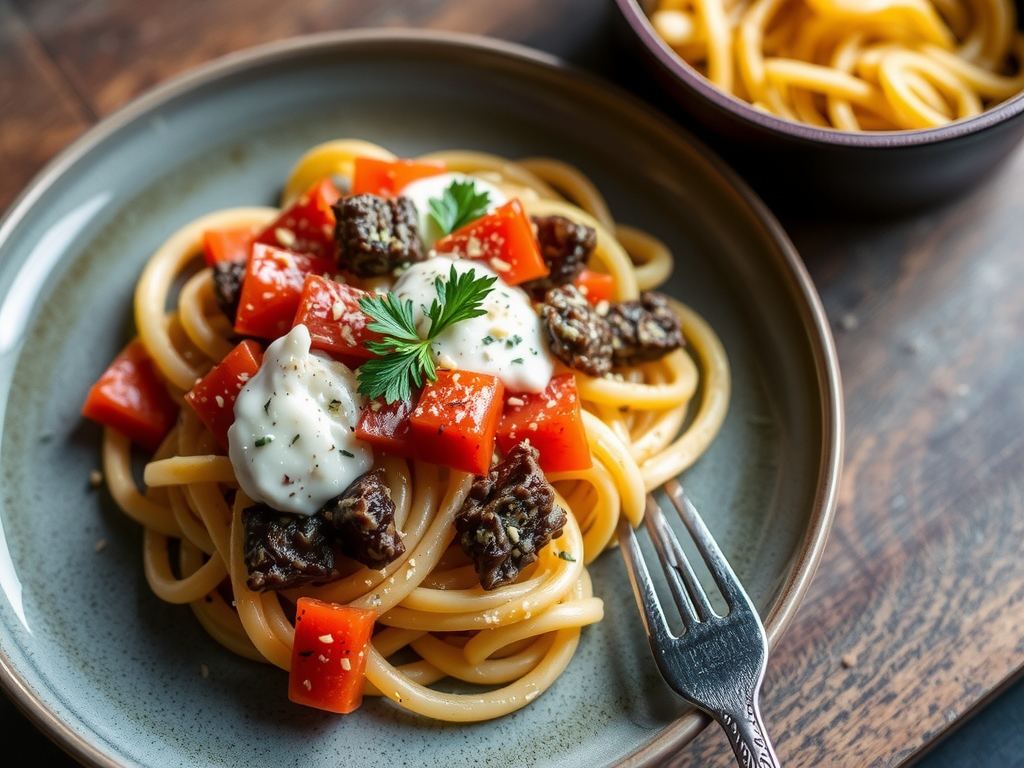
x=747, y=733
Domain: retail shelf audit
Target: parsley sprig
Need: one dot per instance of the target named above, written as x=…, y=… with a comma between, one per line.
x=404, y=356
x=459, y=204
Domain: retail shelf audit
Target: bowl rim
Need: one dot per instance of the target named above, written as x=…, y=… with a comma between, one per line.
x=692, y=80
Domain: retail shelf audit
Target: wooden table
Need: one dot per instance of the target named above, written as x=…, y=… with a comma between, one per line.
x=912, y=619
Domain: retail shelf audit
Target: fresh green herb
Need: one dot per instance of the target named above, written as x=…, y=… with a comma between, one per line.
x=266, y=406
x=459, y=204
x=516, y=339
x=403, y=356
x=518, y=360
x=567, y=557
x=347, y=453
x=294, y=440
x=333, y=406
x=488, y=340
x=261, y=441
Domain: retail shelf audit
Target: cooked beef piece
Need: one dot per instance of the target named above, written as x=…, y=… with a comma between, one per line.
x=643, y=330
x=565, y=246
x=508, y=517
x=578, y=335
x=376, y=234
x=227, y=286
x=362, y=521
x=285, y=550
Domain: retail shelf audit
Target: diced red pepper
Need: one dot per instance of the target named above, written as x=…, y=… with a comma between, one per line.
x=131, y=398
x=552, y=422
x=329, y=655
x=385, y=426
x=504, y=240
x=596, y=286
x=388, y=177
x=271, y=289
x=307, y=225
x=232, y=244
x=455, y=419
x=213, y=397
x=330, y=310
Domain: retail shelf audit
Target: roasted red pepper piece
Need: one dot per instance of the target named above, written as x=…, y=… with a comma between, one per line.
x=330, y=310
x=131, y=397
x=213, y=397
x=552, y=422
x=329, y=655
x=388, y=177
x=307, y=225
x=455, y=419
x=271, y=289
x=503, y=240
x=385, y=426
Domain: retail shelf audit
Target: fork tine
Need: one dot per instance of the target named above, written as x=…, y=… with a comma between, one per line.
x=691, y=600
x=643, y=587
x=719, y=567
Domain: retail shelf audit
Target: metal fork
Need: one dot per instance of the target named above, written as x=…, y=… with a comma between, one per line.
x=717, y=662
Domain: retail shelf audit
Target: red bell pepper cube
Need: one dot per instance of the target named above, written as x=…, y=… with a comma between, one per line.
x=455, y=419
x=387, y=178
x=231, y=244
x=504, y=240
x=331, y=312
x=213, y=396
x=596, y=286
x=272, y=288
x=131, y=398
x=328, y=664
x=307, y=225
x=385, y=426
x=552, y=422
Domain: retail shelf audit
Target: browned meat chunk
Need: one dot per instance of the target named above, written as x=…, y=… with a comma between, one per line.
x=565, y=247
x=376, y=234
x=643, y=330
x=362, y=521
x=508, y=517
x=578, y=335
x=227, y=286
x=284, y=550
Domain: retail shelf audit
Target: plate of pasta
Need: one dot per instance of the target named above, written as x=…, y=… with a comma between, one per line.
x=329, y=370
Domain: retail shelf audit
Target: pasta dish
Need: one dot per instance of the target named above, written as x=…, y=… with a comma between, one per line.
x=388, y=425
x=852, y=65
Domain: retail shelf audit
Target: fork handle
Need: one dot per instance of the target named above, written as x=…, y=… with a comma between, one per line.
x=748, y=736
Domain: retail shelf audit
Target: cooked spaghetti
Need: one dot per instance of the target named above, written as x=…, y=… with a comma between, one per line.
x=851, y=65
x=443, y=645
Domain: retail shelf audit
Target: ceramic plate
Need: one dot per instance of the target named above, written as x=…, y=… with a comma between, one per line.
x=115, y=676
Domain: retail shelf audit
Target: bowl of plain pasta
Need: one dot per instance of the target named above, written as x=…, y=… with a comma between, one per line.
x=840, y=104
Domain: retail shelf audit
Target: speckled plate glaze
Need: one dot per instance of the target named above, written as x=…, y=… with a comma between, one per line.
x=120, y=679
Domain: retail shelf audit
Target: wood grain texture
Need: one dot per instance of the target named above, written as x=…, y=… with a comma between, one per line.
x=39, y=113
x=914, y=615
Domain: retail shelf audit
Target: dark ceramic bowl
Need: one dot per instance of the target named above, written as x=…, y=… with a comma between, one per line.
x=799, y=166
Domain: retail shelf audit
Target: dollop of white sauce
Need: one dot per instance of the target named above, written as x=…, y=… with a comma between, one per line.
x=422, y=190
x=293, y=443
x=507, y=342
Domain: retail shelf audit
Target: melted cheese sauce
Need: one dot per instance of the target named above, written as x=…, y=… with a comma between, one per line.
x=422, y=190
x=507, y=342
x=293, y=443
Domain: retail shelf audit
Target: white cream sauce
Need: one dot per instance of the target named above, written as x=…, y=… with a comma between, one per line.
x=293, y=443
x=422, y=190
x=507, y=342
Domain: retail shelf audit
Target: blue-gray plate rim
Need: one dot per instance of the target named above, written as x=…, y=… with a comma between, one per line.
x=116, y=677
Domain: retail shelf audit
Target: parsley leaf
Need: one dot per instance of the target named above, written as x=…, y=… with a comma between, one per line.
x=404, y=357
x=459, y=204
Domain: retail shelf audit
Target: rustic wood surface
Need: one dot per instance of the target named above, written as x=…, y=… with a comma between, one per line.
x=913, y=617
